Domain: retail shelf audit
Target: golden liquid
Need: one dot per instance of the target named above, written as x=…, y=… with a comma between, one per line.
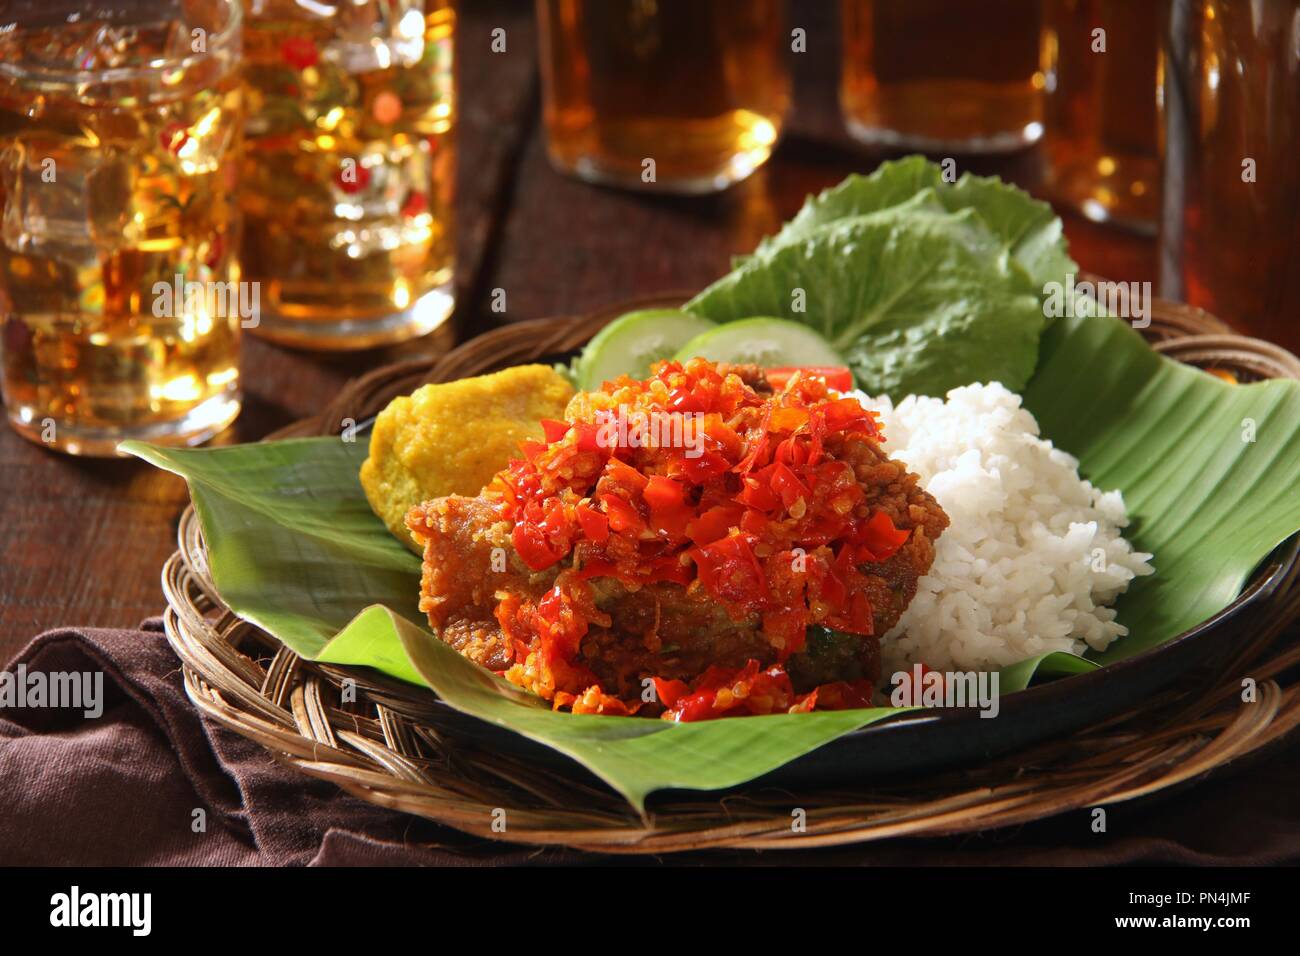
x=935, y=74
x=1231, y=95
x=348, y=172
x=698, y=86
x=1100, y=132
x=108, y=190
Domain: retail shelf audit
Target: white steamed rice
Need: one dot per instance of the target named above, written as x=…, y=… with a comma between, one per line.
x=1033, y=553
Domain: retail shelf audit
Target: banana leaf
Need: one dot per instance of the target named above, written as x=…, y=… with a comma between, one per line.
x=1208, y=470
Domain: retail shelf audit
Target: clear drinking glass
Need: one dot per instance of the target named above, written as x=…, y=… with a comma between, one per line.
x=1230, y=105
x=942, y=76
x=1100, y=116
x=349, y=169
x=119, y=282
x=682, y=96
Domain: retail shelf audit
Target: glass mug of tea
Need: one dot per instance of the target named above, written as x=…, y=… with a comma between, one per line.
x=1230, y=204
x=942, y=76
x=1100, y=108
x=120, y=289
x=678, y=96
x=349, y=169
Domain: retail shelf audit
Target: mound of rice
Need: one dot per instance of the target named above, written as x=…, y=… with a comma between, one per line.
x=1034, y=553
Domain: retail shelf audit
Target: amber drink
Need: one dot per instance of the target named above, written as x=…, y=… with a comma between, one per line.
x=348, y=175
x=1100, y=137
x=119, y=130
x=682, y=96
x=1230, y=209
x=942, y=76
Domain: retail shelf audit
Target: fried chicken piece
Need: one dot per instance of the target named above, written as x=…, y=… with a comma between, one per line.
x=658, y=630
x=619, y=549
x=468, y=561
x=661, y=629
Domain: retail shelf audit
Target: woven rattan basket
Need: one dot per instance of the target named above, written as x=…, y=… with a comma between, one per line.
x=392, y=746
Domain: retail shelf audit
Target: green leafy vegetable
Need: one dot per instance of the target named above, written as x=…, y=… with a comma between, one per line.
x=917, y=300
x=292, y=542
x=1027, y=227
x=923, y=284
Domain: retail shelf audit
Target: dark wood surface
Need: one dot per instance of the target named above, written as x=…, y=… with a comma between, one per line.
x=83, y=540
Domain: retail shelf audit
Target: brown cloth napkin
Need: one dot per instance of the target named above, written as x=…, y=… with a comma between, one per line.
x=124, y=788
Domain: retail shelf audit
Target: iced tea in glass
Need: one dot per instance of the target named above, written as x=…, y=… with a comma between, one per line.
x=1230, y=106
x=942, y=76
x=119, y=131
x=682, y=96
x=349, y=168
x=1100, y=124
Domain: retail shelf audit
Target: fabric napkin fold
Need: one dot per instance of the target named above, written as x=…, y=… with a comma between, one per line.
x=151, y=782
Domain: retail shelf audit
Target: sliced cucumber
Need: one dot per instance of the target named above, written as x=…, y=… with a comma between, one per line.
x=764, y=342
x=629, y=344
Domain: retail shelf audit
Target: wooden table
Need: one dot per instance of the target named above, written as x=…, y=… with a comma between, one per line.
x=83, y=540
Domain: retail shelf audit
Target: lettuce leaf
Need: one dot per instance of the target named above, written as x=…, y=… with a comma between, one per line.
x=917, y=299
x=921, y=284
x=1029, y=228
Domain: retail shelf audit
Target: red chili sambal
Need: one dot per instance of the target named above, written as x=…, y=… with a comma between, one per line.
x=705, y=480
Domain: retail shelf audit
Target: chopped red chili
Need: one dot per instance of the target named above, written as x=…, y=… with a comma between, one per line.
x=752, y=510
x=837, y=377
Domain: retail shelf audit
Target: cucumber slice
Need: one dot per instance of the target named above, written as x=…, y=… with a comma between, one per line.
x=764, y=342
x=629, y=344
